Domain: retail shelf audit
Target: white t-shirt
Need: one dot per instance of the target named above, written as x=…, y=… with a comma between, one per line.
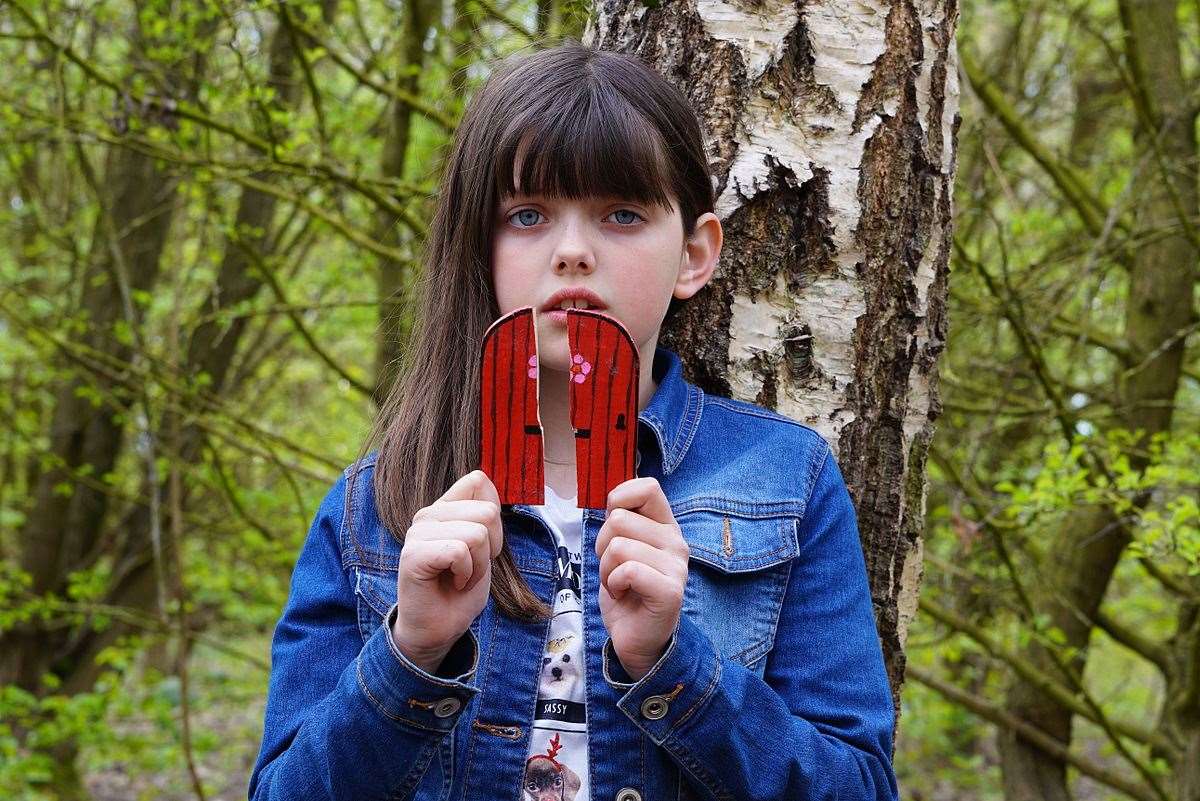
x=558, y=744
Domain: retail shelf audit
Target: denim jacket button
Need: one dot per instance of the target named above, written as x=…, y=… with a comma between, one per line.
x=447, y=707
x=654, y=707
x=628, y=794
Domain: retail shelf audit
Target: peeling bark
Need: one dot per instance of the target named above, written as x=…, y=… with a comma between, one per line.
x=831, y=131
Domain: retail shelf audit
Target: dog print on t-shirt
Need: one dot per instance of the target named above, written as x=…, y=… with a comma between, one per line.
x=557, y=764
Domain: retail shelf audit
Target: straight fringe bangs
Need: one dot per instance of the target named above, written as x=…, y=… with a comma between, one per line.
x=597, y=146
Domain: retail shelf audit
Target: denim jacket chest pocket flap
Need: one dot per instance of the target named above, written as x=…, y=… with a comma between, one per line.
x=737, y=574
x=375, y=592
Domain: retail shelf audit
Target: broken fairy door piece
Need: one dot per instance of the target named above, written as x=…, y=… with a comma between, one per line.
x=603, y=396
x=509, y=426
x=604, y=403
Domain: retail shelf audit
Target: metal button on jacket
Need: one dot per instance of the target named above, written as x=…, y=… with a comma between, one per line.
x=654, y=707
x=447, y=707
x=628, y=794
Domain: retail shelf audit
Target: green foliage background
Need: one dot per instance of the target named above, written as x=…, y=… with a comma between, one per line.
x=1003, y=478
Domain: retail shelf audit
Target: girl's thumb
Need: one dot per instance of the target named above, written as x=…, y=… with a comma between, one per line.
x=473, y=486
x=485, y=490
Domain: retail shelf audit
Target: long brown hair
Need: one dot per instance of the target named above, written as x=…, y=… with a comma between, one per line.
x=595, y=123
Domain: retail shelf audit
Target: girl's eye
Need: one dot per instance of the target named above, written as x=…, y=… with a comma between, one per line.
x=529, y=217
x=636, y=216
x=526, y=219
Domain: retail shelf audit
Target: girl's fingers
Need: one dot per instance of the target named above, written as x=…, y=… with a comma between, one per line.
x=486, y=491
x=477, y=511
x=431, y=558
x=485, y=488
x=477, y=486
x=463, y=509
x=464, y=488
x=481, y=553
x=624, y=549
x=658, y=592
x=472, y=536
x=624, y=523
x=642, y=495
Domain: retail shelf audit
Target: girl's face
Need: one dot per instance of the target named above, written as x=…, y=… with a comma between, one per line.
x=632, y=255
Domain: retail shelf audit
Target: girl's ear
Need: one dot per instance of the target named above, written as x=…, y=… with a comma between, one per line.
x=700, y=255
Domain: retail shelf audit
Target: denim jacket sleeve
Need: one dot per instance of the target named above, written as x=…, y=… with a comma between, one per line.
x=344, y=719
x=818, y=725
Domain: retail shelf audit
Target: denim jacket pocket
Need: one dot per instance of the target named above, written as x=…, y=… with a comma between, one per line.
x=375, y=592
x=737, y=574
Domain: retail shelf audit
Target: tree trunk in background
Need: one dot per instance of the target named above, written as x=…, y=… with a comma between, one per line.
x=61, y=536
x=136, y=199
x=1158, y=307
x=135, y=195
x=394, y=279
x=210, y=351
x=832, y=129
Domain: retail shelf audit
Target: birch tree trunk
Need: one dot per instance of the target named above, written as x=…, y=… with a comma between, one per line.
x=831, y=131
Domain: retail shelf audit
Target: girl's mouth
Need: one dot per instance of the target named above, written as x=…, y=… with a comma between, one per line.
x=558, y=317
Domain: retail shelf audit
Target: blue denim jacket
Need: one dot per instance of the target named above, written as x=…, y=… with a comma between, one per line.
x=771, y=687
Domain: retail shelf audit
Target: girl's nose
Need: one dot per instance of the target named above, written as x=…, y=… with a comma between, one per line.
x=564, y=267
x=574, y=253
x=566, y=263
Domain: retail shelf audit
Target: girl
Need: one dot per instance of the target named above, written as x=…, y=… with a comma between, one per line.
x=707, y=635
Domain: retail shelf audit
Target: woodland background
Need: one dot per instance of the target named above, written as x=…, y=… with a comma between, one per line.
x=238, y=349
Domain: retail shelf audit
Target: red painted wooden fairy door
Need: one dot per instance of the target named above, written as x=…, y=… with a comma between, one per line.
x=604, y=403
x=509, y=426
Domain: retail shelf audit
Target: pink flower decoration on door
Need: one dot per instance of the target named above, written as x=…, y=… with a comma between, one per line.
x=579, y=368
x=533, y=366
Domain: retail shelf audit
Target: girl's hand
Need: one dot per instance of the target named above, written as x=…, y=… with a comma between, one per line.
x=643, y=570
x=445, y=572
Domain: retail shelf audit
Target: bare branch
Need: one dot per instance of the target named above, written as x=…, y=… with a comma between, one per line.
x=1061, y=695
x=1029, y=732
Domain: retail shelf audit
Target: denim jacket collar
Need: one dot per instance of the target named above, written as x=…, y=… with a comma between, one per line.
x=673, y=413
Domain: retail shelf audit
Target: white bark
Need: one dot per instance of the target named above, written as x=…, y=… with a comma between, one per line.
x=831, y=128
